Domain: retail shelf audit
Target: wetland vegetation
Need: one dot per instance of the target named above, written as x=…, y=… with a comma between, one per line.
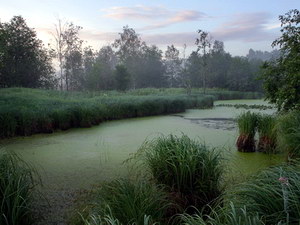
x=159, y=152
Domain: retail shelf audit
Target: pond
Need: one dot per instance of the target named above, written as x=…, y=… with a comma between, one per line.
x=80, y=157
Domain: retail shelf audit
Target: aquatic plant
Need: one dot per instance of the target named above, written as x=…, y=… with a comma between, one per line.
x=247, y=123
x=247, y=106
x=289, y=134
x=267, y=133
x=29, y=111
x=190, y=170
x=130, y=202
x=16, y=183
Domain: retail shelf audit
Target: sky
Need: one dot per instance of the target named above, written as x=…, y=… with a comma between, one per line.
x=240, y=24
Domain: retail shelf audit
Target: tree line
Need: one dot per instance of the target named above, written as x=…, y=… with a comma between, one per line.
x=127, y=63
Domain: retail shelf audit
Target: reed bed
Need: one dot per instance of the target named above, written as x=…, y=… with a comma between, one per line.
x=29, y=111
x=247, y=124
x=16, y=184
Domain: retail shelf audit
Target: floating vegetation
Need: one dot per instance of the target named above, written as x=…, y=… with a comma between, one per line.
x=246, y=106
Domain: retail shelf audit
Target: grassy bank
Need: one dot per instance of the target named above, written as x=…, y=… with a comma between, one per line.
x=27, y=111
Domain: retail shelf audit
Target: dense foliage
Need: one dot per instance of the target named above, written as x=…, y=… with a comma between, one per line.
x=282, y=76
x=24, y=62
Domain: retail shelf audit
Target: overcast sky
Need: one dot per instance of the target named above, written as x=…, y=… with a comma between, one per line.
x=241, y=24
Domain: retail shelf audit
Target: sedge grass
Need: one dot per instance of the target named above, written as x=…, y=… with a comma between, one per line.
x=130, y=202
x=16, y=183
x=247, y=124
x=267, y=133
x=190, y=170
x=288, y=127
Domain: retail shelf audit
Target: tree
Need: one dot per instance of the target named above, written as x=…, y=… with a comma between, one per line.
x=23, y=59
x=173, y=65
x=204, y=43
x=282, y=76
x=122, y=77
x=152, y=68
x=68, y=49
x=129, y=52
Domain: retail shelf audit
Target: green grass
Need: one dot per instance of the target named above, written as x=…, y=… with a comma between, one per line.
x=28, y=111
x=247, y=124
x=190, y=170
x=267, y=133
x=267, y=198
x=289, y=134
x=129, y=202
x=16, y=183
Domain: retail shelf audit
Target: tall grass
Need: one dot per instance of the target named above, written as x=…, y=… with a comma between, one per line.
x=289, y=134
x=129, y=202
x=247, y=123
x=28, y=111
x=190, y=170
x=16, y=183
x=223, y=216
x=273, y=194
x=267, y=133
x=267, y=198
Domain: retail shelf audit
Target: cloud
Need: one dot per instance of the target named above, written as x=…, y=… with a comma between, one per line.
x=156, y=17
x=247, y=27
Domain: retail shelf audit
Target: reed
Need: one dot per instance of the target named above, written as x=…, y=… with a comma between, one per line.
x=267, y=133
x=29, y=111
x=247, y=124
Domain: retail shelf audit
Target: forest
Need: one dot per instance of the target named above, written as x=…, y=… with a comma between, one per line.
x=127, y=63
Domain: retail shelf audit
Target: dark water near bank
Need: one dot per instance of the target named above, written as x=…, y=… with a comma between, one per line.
x=78, y=158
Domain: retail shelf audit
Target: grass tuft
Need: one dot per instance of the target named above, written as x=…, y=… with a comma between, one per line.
x=16, y=183
x=247, y=123
x=190, y=170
